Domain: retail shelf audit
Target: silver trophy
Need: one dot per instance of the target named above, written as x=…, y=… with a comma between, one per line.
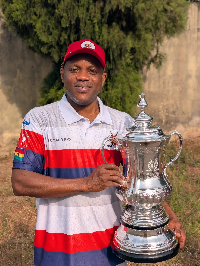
x=143, y=235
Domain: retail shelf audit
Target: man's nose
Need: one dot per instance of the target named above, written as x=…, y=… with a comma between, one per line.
x=83, y=75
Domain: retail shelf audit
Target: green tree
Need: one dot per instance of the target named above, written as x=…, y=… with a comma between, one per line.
x=130, y=31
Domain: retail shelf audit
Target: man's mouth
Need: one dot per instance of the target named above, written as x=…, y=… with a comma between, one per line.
x=82, y=89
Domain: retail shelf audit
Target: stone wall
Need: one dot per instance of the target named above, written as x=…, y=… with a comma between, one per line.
x=173, y=92
x=21, y=74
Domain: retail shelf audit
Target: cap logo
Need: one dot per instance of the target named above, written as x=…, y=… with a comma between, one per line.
x=88, y=44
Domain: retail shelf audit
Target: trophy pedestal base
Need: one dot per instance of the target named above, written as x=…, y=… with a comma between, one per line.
x=144, y=258
x=144, y=245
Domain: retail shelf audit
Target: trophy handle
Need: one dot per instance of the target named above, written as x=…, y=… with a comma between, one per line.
x=177, y=155
x=118, y=143
x=115, y=141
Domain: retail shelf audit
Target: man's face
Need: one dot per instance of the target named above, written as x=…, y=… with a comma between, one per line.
x=83, y=77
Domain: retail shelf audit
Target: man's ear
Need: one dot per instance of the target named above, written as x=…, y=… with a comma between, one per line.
x=62, y=74
x=104, y=76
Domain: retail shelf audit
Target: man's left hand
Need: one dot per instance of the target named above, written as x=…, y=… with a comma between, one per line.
x=176, y=228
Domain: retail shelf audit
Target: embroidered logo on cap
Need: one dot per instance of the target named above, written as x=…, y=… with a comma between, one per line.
x=88, y=44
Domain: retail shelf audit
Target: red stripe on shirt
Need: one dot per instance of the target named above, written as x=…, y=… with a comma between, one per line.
x=30, y=140
x=59, y=242
x=80, y=158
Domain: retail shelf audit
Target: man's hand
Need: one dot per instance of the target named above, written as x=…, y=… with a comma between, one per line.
x=104, y=176
x=176, y=228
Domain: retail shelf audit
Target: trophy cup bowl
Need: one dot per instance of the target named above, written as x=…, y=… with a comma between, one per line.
x=143, y=235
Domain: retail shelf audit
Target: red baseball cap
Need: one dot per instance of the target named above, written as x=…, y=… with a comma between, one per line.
x=88, y=47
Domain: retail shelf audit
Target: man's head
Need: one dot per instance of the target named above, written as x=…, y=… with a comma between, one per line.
x=83, y=73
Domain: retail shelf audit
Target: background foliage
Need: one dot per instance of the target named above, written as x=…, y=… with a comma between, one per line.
x=128, y=30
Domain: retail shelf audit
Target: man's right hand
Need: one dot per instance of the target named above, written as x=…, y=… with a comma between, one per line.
x=104, y=176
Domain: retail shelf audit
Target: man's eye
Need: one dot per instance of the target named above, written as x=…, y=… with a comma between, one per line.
x=93, y=71
x=73, y=69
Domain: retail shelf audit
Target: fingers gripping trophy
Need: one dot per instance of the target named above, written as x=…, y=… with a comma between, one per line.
x=143, y=235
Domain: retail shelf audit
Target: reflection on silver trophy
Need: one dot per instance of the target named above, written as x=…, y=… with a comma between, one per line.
x=143, y=235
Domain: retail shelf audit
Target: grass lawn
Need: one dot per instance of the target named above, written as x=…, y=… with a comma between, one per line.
x=18, y=214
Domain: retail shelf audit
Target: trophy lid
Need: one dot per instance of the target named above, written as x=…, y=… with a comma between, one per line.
x=142, y=130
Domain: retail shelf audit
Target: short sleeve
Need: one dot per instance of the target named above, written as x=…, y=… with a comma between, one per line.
x=29, y=153
x=128, y=123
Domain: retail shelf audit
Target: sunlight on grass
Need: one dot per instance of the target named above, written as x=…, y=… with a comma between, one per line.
x=184, y=179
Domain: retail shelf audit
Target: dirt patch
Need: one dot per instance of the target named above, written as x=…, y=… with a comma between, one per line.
x=17, y=221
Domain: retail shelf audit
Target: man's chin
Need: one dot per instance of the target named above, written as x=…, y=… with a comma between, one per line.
x=81, y=102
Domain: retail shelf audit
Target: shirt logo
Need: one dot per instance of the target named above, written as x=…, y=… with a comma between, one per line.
x=112, y=141
x=26, y=123
x=59, y=139
x=19, y=154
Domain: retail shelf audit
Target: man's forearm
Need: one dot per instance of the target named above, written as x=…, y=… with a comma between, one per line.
x=27, y=183
x=175, y=226
x=169, y=211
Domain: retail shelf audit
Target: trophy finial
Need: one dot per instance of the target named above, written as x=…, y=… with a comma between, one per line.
x=142, y=119
x=142, y=102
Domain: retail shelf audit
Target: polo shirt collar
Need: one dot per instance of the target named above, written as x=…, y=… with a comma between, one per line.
x=71, y=116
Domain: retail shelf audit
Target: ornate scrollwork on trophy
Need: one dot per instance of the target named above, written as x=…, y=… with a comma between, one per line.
x=152, y=170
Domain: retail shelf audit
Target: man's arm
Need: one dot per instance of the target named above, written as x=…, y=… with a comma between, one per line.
x=28, y=183
x=175, y=225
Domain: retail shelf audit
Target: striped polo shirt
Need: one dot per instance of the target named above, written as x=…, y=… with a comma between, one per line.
x=56, y=141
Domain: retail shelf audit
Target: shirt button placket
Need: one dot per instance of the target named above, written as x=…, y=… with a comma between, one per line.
x=86, y=124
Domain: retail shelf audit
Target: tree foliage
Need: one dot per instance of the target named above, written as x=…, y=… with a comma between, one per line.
x=128, y=30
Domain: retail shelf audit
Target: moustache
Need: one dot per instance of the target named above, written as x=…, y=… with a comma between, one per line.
x=83, y=84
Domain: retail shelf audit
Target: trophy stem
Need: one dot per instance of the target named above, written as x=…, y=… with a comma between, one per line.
x=148, y=217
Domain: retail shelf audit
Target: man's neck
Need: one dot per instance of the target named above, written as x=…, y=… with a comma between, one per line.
x=88, y=111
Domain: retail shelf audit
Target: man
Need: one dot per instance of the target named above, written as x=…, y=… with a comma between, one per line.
x=58, y=160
